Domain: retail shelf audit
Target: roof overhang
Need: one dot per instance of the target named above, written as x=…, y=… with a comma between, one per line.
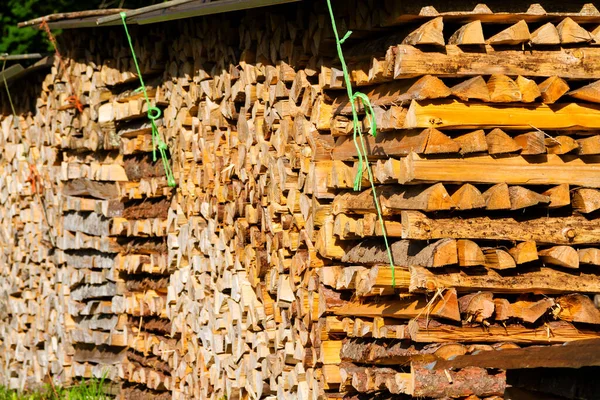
x=71, y=20
x=167, y=11
x=17, y=71
x=180, y=9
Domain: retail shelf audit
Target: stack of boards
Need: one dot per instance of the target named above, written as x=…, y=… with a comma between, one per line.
x=263, y=273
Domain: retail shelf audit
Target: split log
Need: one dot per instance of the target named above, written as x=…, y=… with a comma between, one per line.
x=457, y=383
x=563, y=256
x=553, y=89
x=473, y=142
x=546, y=34
x=524, y=252
x=498, y=259
x=468, y=197
x=384, y=145
x=560, y=144
x=589, y=256
x=475, y=88
x=571, y=32
x=502, y=89
x=532, y=143
x=589, y=92
x=392, y=200
x=560, y=196
x=515, y=34
x=497, y=197
x=438, y=143
x=528, y=88
x=530, y=311
x=397, y=92
x=500, y=143
x=521, y=197
x=399, y=353
x=578, y=308
x=408, y=307
x=470, y=254
x=589, y=145
x=85, y=187
x=477, y=306
x=429, y=34
x=575, y=354
x=586, y=200
x=470, y=34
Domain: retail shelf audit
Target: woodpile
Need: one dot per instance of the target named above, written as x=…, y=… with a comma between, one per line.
x=115, y=204
x=33, y=319
x=264, y=274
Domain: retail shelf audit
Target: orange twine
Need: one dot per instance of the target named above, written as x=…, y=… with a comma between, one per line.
x=73, y=99
x=33, y=178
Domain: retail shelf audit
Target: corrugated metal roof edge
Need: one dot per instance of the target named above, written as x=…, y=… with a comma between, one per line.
x=168, y=11
x=180, y=9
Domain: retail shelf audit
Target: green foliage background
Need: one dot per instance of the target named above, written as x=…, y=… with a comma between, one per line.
x=29, y=40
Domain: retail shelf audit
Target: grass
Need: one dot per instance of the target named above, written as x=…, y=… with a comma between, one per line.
x=92, y=389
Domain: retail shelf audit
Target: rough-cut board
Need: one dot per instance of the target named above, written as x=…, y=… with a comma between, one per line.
x=461, y=115
x=393, y=200
x=579, y=63
x=408, y=307
x=464, y=382
x=404, y=253
x=514, y=170
x=383, y=145
x=571, y=355
x=552, y=230
x=558, y=332
x=518, y=280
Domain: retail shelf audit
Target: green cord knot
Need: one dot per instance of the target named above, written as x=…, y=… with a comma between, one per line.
x=154, y=113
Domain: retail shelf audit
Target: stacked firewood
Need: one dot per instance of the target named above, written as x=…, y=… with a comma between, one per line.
x=114, y=203
x=485, y=166
x=264, y=274
x=33, y=320
x=237, y=226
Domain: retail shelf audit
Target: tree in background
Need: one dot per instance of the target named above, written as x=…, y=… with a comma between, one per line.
x=30, y=40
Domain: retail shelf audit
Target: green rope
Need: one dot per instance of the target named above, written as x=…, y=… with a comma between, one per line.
x=359, y=141
x=12, y=106
x=154, y=113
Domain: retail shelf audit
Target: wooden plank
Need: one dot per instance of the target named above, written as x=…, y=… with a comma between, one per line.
x=573, y=229
x=558, y=332
x=502, y=12
x=575, y=354
x=455, y=114
x=518, y=280
x=454, y=62
x=516, y=170
x=469, y=381
x=407, y=307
